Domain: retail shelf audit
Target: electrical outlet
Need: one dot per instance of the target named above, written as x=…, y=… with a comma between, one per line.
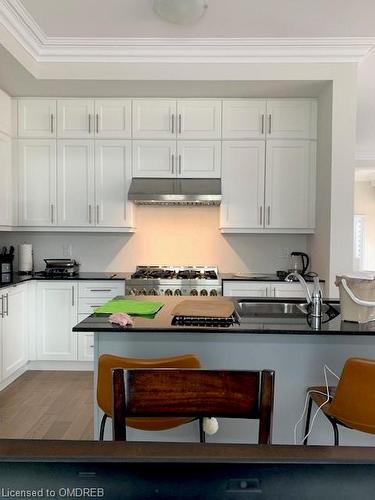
x=286, y=253
x=67, y=251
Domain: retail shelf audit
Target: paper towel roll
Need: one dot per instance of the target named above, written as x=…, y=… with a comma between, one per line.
x=25, y=258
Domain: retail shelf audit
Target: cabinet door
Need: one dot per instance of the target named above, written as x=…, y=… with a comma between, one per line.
x=290, y=184
x=291, y=119
x=154, y=119
x=56, y=316
x=199, y=159
x=36, y=118
x=200, y=119
x=246, y=289
x=112, y=180
x=113, y=118
x=15, y=325
x=6, y=180
x=292, y=290
x=75, y=119
x=243, y=168
x=154, y=159
x=75, y=174
x=244, y=119
x=85, y=344
x=37, y=182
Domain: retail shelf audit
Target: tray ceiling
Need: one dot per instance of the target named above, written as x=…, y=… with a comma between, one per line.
x=237, y=18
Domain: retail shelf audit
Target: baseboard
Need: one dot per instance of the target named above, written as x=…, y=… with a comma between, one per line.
x=61, y=365
x=13, y=377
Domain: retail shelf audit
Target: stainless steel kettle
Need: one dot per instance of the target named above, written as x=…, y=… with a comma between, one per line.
x=300, y=262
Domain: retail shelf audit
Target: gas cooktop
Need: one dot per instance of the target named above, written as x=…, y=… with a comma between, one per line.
x=174, y=280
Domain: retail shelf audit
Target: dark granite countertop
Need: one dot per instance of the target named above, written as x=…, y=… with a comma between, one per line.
x=256, y=277
x=260, y=325
x=88, y=276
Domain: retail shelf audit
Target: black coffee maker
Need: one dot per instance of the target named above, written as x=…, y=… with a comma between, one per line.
x=300, y=263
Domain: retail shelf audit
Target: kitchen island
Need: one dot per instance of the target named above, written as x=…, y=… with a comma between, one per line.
x=287, y=345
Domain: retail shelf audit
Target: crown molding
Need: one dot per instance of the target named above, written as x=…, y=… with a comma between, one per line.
x=49, y=49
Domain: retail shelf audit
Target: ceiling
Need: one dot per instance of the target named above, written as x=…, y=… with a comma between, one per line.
x=234, y=18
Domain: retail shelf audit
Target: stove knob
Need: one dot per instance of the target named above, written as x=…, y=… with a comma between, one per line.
x=143, y=291
x=153, y=291
x=194, y=292
x=204, y=292
x=213, y=293
x=168, y=292
x=177, y=292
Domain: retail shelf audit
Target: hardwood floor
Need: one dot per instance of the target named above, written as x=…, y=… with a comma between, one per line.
x=48, y=405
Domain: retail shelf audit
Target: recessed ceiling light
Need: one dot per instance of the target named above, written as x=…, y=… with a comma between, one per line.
x=180, y=11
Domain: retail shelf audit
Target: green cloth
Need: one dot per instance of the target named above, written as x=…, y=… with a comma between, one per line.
x=133, y=307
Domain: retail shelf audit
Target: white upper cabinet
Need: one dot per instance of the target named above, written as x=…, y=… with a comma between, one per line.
x=244, y=118
x=37, y=182
x=291, y=119
x=113, y=118
x=290, y=184
x=198, y=159
x=37, y=118
x=243, y=168
x=154, y=159
x=6, y=180
x=198, y=119
x=112, y=181
x=75, y=118
x=154, y=119
x=76, y=183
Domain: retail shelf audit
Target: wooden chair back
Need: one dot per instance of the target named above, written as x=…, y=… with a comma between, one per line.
x=193, y=393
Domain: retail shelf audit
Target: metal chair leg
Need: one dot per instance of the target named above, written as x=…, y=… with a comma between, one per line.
x=335, y=432
x=102, y=427
x=202, y=435
x=307, y=425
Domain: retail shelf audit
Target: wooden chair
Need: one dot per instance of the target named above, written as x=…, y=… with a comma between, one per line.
x=193, y=393
x=107, y=362
x=352, y=402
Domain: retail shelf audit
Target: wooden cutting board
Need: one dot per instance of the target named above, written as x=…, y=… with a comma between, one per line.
x=210, y=308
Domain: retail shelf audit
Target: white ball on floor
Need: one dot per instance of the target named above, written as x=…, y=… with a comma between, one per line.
x=210, y=425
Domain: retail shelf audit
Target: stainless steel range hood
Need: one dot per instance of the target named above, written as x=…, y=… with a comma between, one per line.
x=175, y=191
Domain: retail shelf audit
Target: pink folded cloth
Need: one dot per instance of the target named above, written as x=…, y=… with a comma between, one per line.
x=121, y=319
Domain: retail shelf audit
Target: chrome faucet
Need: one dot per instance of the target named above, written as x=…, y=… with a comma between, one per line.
x=314, y=299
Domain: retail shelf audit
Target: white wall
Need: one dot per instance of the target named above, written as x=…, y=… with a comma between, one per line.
x=166, y=235
x=5, y=113
x=366, y=105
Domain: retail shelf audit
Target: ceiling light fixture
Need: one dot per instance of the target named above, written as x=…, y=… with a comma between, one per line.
x=180, y=11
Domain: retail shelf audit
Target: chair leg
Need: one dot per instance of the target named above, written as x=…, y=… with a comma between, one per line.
x=307, y=425
x=102, y=427
x=335, y=432
x=202, y=435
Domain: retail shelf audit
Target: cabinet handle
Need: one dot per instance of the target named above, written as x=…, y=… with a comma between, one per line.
x=90, y=219
x=6, y=311
x=2, y=306
x=101, y=290
x=262, y=124
x=173, y=123
x=179, y=123
x=172, y=164
x=260, y=215
x=52, y=214
x=97, y=214
x=89, y=123
x=51, y=123
x=269, y=123
x=72, y=295
x=269, y=214
x=97, y=123
x=179, y=164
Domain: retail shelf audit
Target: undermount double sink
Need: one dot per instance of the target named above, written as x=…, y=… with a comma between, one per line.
x=248, y=308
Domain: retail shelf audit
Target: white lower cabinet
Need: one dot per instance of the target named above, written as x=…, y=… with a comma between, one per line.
x=85, y=344
x=56, y=315
x=14, y=328
x=245, y=288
